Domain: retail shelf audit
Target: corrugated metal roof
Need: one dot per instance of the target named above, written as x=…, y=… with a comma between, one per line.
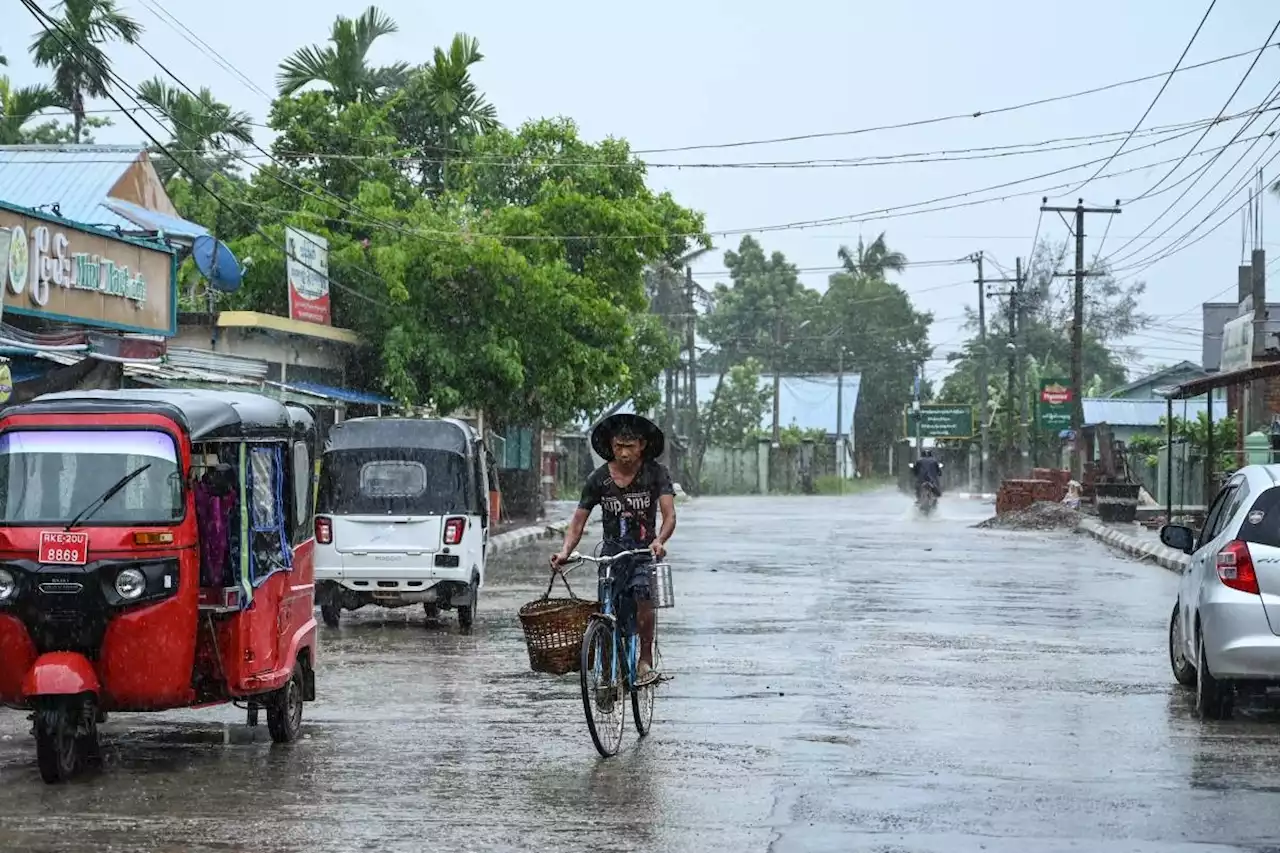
x=808, y=402
x=217, y=363
x=75, y=177
x=1144, y=412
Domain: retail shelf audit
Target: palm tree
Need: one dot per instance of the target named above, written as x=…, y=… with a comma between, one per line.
x=441, y=109
x=873, y=260
x=73, y=50
x=343, y=64
x=18, y=106
x=203, y=129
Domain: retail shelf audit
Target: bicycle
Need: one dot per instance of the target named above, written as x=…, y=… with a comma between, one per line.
x=612, y=664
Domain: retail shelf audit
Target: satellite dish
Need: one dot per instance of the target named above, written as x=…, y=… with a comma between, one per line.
x=217, y=264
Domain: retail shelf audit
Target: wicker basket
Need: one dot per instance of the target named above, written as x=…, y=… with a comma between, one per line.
x=553, y=630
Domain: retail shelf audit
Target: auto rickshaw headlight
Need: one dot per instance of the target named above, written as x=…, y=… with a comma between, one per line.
x=130, y=584
x=8, y=586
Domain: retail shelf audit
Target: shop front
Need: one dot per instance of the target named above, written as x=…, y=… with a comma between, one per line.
x=79, y=302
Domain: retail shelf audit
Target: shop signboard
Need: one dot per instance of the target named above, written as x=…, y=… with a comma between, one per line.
x=1053, y=408
x=939, y=420
x=307, y=268
x=1237, y=344
x=71, y=273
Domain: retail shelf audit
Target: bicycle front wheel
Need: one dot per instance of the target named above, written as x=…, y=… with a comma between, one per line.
x=643, y=698
x=604, y=698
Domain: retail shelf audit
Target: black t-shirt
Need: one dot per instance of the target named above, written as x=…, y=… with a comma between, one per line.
x=633, y=507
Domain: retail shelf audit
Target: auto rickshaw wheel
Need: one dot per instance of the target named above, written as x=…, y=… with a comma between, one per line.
x=251, y=714
x=58, y=749
x=331, y=613
x=467, y=613
x=284, y=712
x=431, y=610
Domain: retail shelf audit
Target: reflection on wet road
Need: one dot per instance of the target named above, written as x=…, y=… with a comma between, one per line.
x=847, y=678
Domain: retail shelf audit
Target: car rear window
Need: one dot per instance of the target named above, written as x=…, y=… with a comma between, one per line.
x=1262, y=522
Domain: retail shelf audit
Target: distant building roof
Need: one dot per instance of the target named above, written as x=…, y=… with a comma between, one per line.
x=1144, y=413
x=1174, y=373
x=80, y=179
x=809, y=402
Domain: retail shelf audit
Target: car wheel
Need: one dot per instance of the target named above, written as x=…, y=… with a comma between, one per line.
x=1214, y=698
x=1184, y=671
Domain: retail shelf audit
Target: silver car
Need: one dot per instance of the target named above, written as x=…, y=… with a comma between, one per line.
x=1224, y=634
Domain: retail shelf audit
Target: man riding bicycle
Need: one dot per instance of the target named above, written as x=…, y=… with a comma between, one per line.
x=629, y=488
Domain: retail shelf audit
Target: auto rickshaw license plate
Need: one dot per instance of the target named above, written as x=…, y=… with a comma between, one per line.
x=63, y=548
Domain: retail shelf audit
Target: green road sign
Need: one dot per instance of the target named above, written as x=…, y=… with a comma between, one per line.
x=1053, y=406
x=940, y=420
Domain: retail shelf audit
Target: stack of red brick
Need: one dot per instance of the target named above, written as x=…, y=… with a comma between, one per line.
x=1058, y=476
x=1020, y=494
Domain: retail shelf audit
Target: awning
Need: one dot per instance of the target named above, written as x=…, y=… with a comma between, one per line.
x=1196, y=387
x=150, y=220
x=344, y=395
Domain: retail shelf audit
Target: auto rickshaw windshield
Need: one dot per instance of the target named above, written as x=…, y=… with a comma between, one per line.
x=49, y=476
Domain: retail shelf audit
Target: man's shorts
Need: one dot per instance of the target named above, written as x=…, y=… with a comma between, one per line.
x=630, y=574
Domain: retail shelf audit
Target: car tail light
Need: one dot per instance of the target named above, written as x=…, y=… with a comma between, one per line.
x=1235, y=567
x=453, y=530
x=324, y=530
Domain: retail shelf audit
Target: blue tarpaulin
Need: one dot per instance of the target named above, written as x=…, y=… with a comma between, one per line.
x=346, y=395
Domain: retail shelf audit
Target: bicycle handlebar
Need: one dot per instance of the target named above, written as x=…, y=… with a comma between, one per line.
x=577, y=557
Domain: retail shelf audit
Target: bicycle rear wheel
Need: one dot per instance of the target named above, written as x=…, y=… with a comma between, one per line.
x=603, y=694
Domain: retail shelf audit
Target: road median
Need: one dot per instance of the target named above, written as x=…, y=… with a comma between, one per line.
x=523, y=536
x=1161, y=555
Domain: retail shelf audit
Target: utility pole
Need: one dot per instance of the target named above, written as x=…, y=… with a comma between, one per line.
x=691, y=330
x=840, y=416
x=777, y=375
x=1011, y=347
x=1077, y=321
x=1021, y=342
x=982, y=374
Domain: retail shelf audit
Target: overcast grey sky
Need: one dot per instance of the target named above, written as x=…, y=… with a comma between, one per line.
x=665, y=74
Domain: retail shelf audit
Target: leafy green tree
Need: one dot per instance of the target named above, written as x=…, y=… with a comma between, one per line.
x=440, y=111
x=763, y=309
x=732, y=419
x=343, y=65
x=202, y=129
x=74, y=50
x=19, y=106
x=884, y=338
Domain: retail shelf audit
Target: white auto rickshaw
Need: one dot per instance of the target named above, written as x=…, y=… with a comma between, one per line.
x=402, y=517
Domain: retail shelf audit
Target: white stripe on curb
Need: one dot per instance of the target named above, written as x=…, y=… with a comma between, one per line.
x=525, y=536
x=1174, y=561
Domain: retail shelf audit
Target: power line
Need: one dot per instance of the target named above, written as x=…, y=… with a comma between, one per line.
x=944, y=118
x=1234, y=92
x=987, y=152
x=1206, y=194
x=204, y=47
x=1151, y=105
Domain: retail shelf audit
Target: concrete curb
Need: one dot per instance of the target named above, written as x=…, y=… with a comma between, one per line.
x=523, y=536
x=1174, y=561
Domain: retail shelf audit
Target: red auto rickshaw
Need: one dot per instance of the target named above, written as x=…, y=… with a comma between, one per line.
x=156, y=552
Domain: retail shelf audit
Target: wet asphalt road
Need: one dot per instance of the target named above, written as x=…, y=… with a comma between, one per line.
x=847, y=678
